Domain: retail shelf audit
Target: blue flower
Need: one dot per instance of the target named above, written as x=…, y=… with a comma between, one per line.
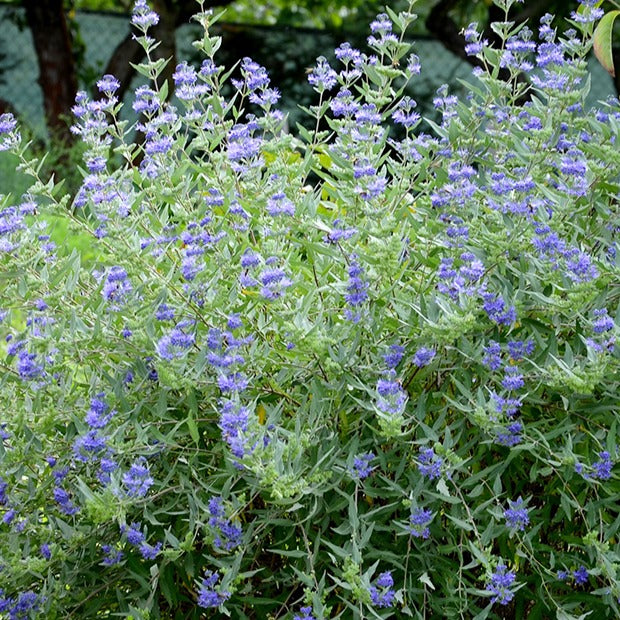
x=510, y=435
x=112, y=555
x=495, y=307
x=581, y=575
x=361, y=466
x=516, y=515
x=176, y=343
x=419, y=521
x=429, y=463
x=117, y=287
x=227, y=535
x=391, y=396
x=305, y=613
x=393, y=357
x=381, y=593
x=208, y=596
x=64, y=501
x=423, y=357
x=322, y=77
x=138, y=479
x=513, y=379
x=492, y=356
x=602, y=468
x=99, y=413
x=142, y=17
x=603, y=322
x=499, y=584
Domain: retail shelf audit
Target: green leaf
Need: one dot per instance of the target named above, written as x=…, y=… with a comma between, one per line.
x=603, y=41
x=424, y=578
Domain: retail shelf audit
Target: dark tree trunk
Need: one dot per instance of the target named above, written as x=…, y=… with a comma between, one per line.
x=57, y=77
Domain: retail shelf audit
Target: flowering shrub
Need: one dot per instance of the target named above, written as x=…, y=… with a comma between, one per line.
x=369, y=371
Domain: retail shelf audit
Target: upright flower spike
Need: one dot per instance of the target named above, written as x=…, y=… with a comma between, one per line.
x=500, y=584
x=517, y=515
x=381, y=592
x=419, y=521
x=142, y=17
x=362, y=468
x=210, y=594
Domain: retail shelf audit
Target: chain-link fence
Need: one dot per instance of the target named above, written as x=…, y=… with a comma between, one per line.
x=286, y=52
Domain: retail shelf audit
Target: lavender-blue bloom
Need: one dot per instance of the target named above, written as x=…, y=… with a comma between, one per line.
x=9, y=516
x=510, y=435
x=176, y=343
x=146, y=100
x=227, y=535
x=63, y=499
x=492, y=356
x=88, y=445
x=507, y=406
x=25, y=606
x=208, y=596
x=419, y=521
x=361, y=466
x=279, y=204
x=516, y=515
x=393, y=357
x=513, y=379
x=356, y=289
x=343, y=104
x=429, y=463
x=9, y=137
x=579, y=267
x=232, y=383
x=134, y=534
x=3, y=489
x=149, y=552
x=275, y=282
x=27, y=365
x=138, y=479
x=305, y=613
x=117, y=287
x=142, y=16
x=112, y=555
x=581, y=575
x=322, y=77
x=517, y=349
x=392, y=398
x=495, y=307
x=500, y=583
x=234, y=421
x=108, y=84
x=404, y=114
x=99, y=413
x=602, y=469
x=381, y=593
x=423, y=356
x=603, y=322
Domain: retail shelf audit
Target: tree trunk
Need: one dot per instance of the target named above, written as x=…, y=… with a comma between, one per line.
x=58, y=79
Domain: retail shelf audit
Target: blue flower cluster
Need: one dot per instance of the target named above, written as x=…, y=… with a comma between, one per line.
x=381, y=591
